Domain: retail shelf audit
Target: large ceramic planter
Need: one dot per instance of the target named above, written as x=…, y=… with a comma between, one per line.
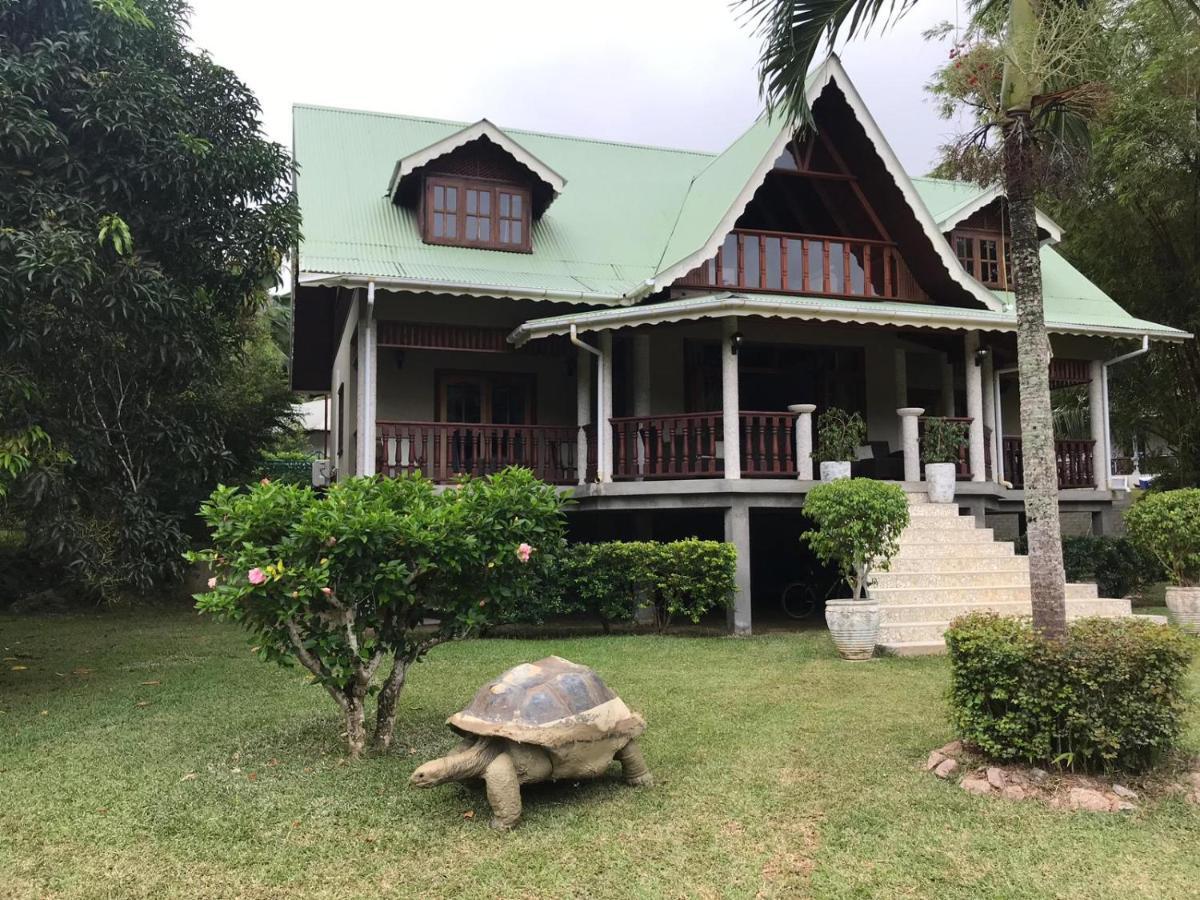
x=1183, y=603
x=832, y=471
x=939, y=481
x=854, y=627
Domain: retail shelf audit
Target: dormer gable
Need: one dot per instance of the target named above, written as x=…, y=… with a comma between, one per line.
x=477, y=188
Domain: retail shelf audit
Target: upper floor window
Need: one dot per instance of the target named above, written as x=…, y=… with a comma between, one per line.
x=984, y=255
x=476, y=213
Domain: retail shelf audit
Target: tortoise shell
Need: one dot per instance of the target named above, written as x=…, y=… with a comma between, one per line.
x=549, y=702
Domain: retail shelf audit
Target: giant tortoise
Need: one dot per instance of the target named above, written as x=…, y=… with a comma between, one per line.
x=540, y=721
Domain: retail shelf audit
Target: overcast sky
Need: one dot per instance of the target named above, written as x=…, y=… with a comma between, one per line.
x=670, y=72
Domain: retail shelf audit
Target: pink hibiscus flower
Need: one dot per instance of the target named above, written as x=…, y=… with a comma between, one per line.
x=524, y=551
x=256, y=575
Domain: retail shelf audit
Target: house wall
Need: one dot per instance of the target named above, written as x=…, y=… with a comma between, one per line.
x=344, y=376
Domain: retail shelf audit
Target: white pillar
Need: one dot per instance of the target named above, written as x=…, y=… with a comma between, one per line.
x=901, y=377
x=730, y=421
x=366, y=399
x=989, y=410
x=974, y=381
x=604, y=393
x=583, y=408
x=1096, y=415
x=641, y=390
x=737, y=532
x=804, y=442
x=947, y=386
x=910, y=441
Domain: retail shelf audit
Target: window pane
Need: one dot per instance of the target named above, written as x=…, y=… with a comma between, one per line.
x=485, y=202
x=516, y=232
x=439, y=225
x=837, y=269
x=964, y=249
x=504, y=231
x=472, y=201
x=451, y=226
x=750, y=261
x=451, y=199
x=485, y=229
x=504, y=203
x=472, y=226
x=795, y=265
x=771, y=247
x=729, y=261
x=439, y=197
x=857, y=275
x=516, y=205
x=816, y=266
x=989, y=262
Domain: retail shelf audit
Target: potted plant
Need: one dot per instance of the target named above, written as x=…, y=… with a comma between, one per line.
x=1167, y=526
x=940, y=449
x=858, y=525
x=839, y=435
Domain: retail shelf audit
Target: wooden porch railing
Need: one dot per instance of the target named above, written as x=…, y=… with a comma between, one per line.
x=691, y=445
x=768, y=444
x=443, y=451
x=807, y=264
x=1073, y=458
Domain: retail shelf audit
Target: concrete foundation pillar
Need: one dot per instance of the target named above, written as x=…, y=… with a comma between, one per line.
x=1100, y=463
x=910, y=441
x=730, y=422
x=737, y=532
x=583, y=409
x=804, y=440
x=366, y=388
x=988, y=375
x=974, y=378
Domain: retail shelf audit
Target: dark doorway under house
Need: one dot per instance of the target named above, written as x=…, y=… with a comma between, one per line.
x=778, y=558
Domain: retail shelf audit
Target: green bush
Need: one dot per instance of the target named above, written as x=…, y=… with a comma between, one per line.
x=1167, y=526
x=942, y=441
x=839, y=435
x=291, y=466
x=346, y=582
x=859, y=521
x=612, y=580
x=1109, y=696
x=1117, y=565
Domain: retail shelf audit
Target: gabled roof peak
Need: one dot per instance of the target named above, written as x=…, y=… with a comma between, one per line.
x=481, y=130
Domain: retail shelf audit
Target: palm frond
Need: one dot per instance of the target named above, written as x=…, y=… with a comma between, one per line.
x=792, y=32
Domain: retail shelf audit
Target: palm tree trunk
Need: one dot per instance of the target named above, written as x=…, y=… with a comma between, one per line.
x=1046, y=576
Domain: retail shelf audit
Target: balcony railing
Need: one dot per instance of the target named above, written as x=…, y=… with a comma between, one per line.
x=1073, y=458
x=692, y=445
x=443, y=451
x=807, y=264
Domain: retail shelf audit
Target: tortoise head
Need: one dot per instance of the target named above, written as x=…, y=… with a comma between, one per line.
x=431, y=773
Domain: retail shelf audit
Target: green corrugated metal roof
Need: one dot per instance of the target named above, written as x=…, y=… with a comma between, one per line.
x=628, y=213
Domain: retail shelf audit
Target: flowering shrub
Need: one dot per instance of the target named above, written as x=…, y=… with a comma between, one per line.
x=612, y=580
x=345, y=583
x=1108, y=696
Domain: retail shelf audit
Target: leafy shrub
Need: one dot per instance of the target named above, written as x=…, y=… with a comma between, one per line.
x=346, y=581
x=859, y=521
x=1117, y=565
x=614, y=579
x=1109, y=696
x=1167, y=526
x=943, y=440
x=839, y=435
x=292, y=466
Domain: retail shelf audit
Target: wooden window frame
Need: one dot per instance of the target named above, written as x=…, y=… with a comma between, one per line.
x=492, y=186
x=976, y=236
x=487, y=379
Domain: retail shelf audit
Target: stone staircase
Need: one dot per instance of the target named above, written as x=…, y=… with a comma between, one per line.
x=948, y=566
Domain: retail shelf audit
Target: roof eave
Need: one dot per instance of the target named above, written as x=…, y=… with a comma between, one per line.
x=423, y=285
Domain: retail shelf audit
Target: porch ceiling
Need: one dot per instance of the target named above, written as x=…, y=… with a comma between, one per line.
x=821, y=309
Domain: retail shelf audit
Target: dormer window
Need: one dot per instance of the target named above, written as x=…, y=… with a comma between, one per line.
x=984, y=254
x=470, y=212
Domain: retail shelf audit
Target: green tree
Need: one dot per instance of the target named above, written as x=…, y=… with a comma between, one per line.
x=142, y=219
x=1030, y=97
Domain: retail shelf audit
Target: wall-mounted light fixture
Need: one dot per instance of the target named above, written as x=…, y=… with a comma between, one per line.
x=735, y=342
x=981, y=354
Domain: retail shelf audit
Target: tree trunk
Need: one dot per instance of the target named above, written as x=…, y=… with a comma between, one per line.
x=389, y=696
x=1046, y=576
x=356, y=728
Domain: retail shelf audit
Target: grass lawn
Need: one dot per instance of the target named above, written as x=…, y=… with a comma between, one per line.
x=782, y=772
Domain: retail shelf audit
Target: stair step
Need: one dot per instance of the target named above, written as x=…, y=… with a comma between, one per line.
x=955, y=524
x=966, y=576
x=917, y=499
x=936, y=511
x=912, y=549
x=912, y=565
x=913, y=648
x=959, y=594
x=907, y=632
x=946, y=535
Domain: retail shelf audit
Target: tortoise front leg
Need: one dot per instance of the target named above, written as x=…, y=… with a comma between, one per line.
x=634, y=766
x=503, y=792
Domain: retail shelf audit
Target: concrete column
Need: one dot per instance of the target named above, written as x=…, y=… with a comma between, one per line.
x=988, y=374
x=947, y=386
x=974, y=381
x=731, y=423
x=641, y=388
x=910, y=441
x=604, y=393
x=804, y=442
x=366, y=398
x=583, y=408
x=901, y=377
x=737, y=532
x=1096, y=415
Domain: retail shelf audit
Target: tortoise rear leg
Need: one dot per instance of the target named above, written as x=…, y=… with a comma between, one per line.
x=634, y=766
x=503, y=792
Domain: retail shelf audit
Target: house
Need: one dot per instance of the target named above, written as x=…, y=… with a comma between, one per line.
x=655, y=328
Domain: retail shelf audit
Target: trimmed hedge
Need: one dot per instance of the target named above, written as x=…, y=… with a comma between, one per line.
x=1110, y=696
x=612, y=580
x=1117, y=565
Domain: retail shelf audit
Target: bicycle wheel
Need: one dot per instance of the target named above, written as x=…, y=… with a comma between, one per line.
x=797, y=600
